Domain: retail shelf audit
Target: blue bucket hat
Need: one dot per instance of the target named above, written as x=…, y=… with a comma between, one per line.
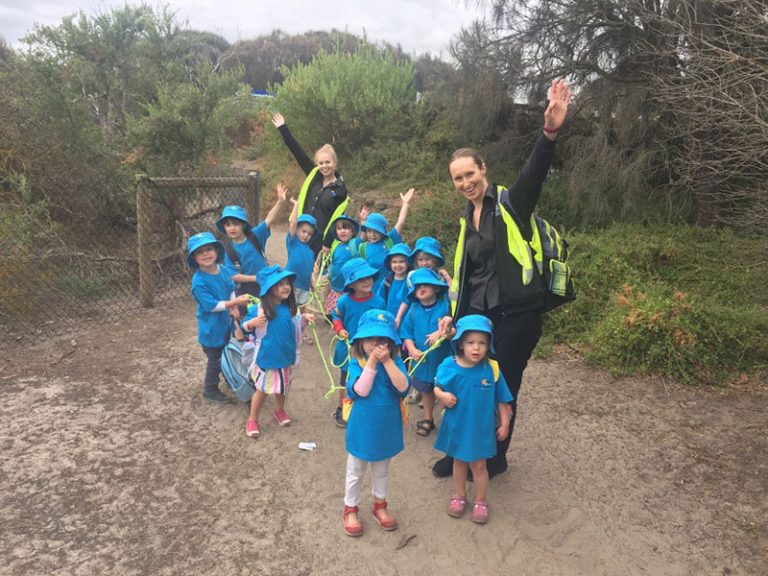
x=377, y=222
x=307, y=219
x=376, y=323
x=356, y=269
x=401, y=249
x=271, y=275
x=199, y=240
x=473, y=323
x=425, y=276
x=428, y=245
x=355, y=226
x=232, y=212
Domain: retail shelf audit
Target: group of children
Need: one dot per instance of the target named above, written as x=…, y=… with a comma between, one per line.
x=387, y=305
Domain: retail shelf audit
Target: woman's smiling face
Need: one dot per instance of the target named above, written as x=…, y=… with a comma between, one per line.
x=468, y=178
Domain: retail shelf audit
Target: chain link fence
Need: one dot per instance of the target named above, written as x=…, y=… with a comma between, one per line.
x=54, y=277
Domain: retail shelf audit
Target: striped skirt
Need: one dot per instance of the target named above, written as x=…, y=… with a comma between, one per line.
x=273, y=381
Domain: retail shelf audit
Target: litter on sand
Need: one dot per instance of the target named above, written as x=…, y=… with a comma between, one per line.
x=308, y=446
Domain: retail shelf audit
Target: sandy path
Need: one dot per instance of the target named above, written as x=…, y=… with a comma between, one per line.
x=113, y=463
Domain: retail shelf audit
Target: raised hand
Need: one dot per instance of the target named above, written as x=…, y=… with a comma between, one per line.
x=282, y=192
x=277, y=119
x=406, y=198
x=559, y=96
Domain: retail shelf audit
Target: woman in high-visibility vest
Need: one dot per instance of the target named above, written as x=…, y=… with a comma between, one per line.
x=495, y=266
x=323, y=194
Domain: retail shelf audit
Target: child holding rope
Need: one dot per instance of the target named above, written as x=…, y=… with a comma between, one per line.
x=214, y=292
x=474, y=393
x=422, y=338
x=377, y=383
x=277, y=325
x=358, y=299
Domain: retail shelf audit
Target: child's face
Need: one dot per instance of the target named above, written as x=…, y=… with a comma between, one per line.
x=205, y=256
x=343, y=232
x=474, y=346
x=398, y=265
x=362, y=286
x=234, y=228
x=304, y=232
x=424, y=260
x=370, y=343
x=282, y=289
x=425, y=293
x=373, y=236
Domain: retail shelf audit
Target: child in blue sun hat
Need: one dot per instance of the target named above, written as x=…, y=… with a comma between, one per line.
x=378, y=239
x=427, y=253
x=475, y=395
x=420, y=331
x=244, y=246
x=358, y=298
x=343, y=230
x=277, y=324
x=393, y=289
x=214, y=292
x=377, y=383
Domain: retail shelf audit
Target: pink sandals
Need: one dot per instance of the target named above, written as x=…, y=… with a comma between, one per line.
x=457, y=506
x=480, y=512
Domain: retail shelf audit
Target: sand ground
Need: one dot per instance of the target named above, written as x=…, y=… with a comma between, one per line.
x=114, y=464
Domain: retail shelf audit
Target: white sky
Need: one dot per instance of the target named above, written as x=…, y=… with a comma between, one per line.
x=417, y=25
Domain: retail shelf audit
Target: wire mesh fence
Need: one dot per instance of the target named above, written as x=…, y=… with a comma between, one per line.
x=54, y=277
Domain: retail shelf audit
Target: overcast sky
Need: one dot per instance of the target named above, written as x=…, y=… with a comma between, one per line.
x=417, y=25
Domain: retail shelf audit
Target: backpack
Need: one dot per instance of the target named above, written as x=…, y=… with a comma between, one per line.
x=234, y=365
x=232, y=253
x=556, y=273
x=387, y=283
x=388, y=243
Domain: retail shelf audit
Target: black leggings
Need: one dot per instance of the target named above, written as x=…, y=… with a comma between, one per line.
x=514, y=338
x=213, y=367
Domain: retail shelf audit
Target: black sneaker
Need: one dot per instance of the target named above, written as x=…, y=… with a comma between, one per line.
x=339, y=419
x=443, y=467
x=216, y=396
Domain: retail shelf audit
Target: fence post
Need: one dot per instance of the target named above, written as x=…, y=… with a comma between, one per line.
x=252, y=197
x=143, y=229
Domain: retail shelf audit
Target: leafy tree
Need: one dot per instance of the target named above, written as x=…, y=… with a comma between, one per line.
x=349, y=100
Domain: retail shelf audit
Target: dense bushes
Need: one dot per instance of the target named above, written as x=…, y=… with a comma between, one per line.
x=682, y=301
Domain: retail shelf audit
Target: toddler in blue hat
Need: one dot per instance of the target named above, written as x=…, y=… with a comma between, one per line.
x=214, y=292
x=343, y=231
x=244, y=245
x=393, y=289
x=427, y=253
x=376, y=386
x=277, y=326
x=420, y=331
x=301, y=258
x=378, y=240
x=358, y=299
x=475, y=396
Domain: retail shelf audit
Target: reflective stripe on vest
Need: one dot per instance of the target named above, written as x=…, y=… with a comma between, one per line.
x=304, y=188
x=453, y=293
x=340, y=209
x=526, y=253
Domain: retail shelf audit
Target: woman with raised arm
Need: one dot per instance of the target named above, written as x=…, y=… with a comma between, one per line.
x=323, y=194
x=494, y=274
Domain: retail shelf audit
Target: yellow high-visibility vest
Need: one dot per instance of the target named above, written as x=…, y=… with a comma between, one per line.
x=340, y=209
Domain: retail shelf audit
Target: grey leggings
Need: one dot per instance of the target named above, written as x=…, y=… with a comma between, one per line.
x=213, y=368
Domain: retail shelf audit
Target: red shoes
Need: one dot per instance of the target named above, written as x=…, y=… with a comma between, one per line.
x=389, y=524
x=352, y=528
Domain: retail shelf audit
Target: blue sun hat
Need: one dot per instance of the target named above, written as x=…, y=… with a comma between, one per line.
x=356, y=269
x=307, y=219
x=428, y=245
x=355, y=226
x=232, y=212
x=377, y=222
x=473, y=323
x=376, y=323
x=199, y=240
x=269, y=276
x=425, y=276
x=401, y=249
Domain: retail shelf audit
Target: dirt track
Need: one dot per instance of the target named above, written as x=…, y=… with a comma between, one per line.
x=114, y=464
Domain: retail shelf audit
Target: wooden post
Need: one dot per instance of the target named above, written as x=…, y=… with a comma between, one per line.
x=144, y=231
x=252, y=198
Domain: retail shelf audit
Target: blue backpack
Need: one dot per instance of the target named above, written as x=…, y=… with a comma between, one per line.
x=235, y=362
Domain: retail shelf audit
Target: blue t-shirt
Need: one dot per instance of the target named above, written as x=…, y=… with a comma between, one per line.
x=376, y=253
x=468, y=430
x=375, y=428
x=396, y=295
x=301, y=261
x=339, y=255
x=417, y=324
x=209, y=290
x=251, y=260
x=349, y=311
x=276, y=343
